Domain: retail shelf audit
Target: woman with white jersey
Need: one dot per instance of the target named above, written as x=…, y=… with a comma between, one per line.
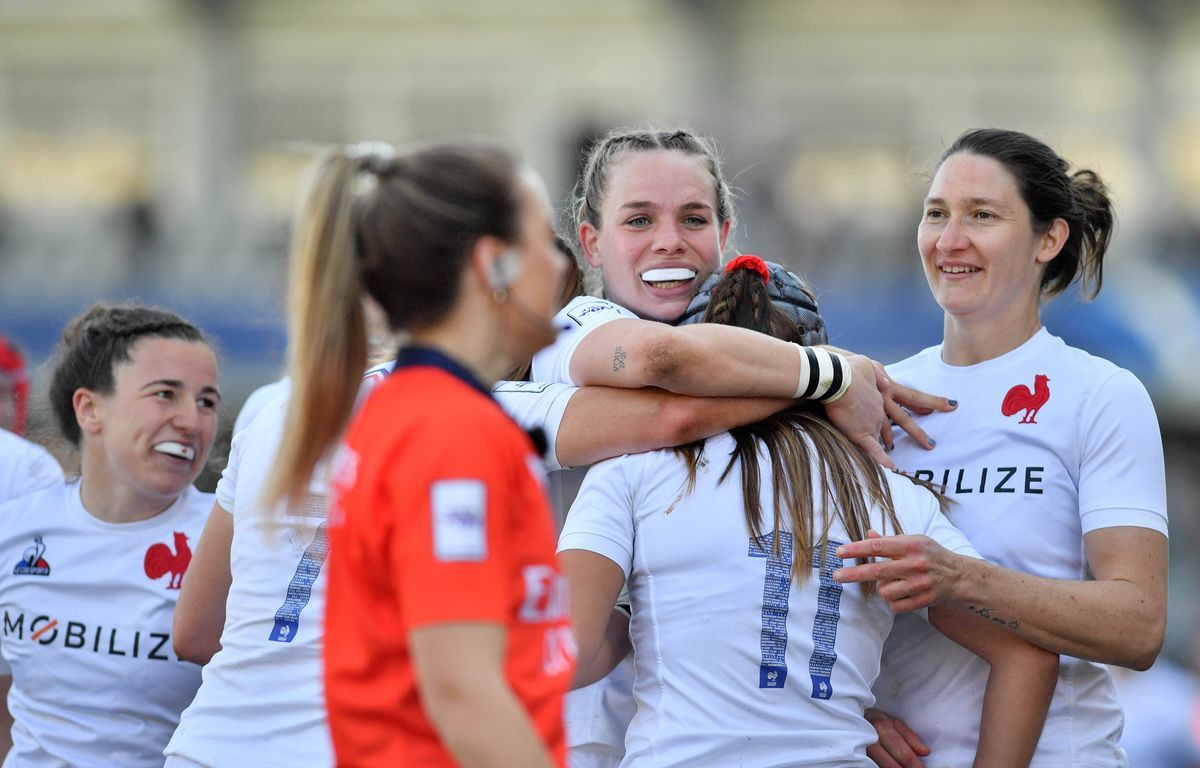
x=24, y=466
x=1053, y=457
x=746, y=651
x=93, y=566
x=653, y=213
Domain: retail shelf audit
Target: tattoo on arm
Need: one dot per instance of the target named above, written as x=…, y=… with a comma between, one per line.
x=984, y=612
x=618, y=359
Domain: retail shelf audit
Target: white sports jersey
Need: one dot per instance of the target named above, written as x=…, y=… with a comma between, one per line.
x=596, y=715
x=87, y=629
x=1047, y=444
x=736, y=663
x=264, y=686
x=258, y=399
x=582, y=316
x=536, y=405
x=25, y=467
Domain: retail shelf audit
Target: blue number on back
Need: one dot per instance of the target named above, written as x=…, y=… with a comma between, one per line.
x=299, y=591
x=829, y=610
x=777, y=585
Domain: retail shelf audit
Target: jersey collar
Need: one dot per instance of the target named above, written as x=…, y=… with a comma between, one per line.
x=412, y=356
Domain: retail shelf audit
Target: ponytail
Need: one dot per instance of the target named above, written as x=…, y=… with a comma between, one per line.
x=1094, y=230
x=326, y=325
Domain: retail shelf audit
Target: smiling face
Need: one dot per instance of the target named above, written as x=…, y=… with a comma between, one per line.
x=982, y=257
x=659, y=234
x=151, y=435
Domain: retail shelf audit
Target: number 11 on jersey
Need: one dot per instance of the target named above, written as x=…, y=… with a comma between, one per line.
x=777, y=586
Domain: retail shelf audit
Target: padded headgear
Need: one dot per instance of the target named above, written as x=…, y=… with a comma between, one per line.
x=787, y=290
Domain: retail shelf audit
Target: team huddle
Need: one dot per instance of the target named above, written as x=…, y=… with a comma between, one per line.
x=783, y=553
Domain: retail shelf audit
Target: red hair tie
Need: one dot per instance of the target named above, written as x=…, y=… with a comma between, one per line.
x=751, y=262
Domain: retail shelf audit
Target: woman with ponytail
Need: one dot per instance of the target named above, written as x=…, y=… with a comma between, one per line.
x=1053, y=458
x=447, y=640
x=746, y=651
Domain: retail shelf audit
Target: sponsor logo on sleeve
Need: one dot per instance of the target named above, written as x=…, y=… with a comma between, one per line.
x=32, y=562
x=580, y=313
x=459, y=520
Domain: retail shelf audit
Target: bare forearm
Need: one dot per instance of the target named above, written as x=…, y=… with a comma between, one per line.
x=605, y=656
x=487, y=728
x=1015, y=703
x=1112, y=621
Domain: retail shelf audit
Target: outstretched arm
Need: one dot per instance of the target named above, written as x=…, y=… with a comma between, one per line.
x=723, y=361
x=1019, y=687
x=200, y=612
x=1118, y=617
x=602, y=422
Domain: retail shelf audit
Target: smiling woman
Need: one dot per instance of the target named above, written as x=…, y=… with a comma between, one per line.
x=97, y=561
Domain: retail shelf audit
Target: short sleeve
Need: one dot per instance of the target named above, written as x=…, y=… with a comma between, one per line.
x=1122, y=480
x=537, y=405
x=227, y=486
x=456, y=511
x=579, y=318
x=601, y=518
x=42, y=471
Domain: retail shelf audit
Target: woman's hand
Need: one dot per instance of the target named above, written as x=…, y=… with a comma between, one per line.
x=915, y=572
x=898, y=746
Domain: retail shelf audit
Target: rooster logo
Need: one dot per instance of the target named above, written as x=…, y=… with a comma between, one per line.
x=161, y=560
x=1019, y=398
x=32, y=563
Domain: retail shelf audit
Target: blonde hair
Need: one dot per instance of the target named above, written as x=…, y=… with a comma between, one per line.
x=398, y=227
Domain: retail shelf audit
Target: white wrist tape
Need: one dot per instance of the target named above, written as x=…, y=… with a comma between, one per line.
x=824, y=375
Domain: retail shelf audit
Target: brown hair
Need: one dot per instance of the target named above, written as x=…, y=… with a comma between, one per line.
x=1051, y=192
x=96, y=342
x=399, y=227
x=810, y=458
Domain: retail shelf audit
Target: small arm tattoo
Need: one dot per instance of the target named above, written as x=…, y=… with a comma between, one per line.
x=986, y=613
x=618, y=359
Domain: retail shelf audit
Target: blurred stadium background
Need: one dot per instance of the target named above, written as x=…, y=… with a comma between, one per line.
x=152, y=148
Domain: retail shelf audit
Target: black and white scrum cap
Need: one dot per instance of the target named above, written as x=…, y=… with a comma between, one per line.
x=787, y=290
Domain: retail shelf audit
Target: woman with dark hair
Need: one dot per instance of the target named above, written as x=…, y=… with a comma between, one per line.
x=1053, y=457
x=92, y=567
x=728, y=548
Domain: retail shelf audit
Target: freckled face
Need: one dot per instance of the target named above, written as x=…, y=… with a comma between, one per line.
x=982, y=258
x=659, y=235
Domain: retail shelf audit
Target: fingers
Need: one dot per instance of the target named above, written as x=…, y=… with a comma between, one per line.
x=903, y=419
x=918, y=401
x=874, y=534
x=869, y=444
x=898, y=746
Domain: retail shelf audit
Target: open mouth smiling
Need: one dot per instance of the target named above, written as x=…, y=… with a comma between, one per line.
x=669, y=277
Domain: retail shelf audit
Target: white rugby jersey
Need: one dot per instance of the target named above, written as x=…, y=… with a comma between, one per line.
x=736, y=663
x=262, y=702
x=596, y=715
x=1047, y=444
x=25, y=467
x=580, y=317
x=537, y=405
x=87, y=608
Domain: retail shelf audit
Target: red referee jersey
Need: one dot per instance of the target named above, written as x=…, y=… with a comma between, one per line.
x=442, y=517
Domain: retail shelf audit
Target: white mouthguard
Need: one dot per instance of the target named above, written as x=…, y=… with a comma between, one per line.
x=668, y=275
x=178, y=450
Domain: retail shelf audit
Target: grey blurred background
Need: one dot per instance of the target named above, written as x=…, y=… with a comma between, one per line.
x=152, y=148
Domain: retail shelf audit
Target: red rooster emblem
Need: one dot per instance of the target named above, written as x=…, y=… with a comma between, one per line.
x=1020, y=398
x=160, y=560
